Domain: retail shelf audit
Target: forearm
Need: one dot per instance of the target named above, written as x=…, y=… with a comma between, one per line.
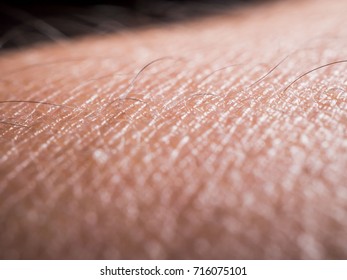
x=179, y=142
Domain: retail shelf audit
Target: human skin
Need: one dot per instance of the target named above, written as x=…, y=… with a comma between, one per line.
x=180, y=141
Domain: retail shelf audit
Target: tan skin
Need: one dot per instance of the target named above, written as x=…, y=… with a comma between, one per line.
x=170, y=141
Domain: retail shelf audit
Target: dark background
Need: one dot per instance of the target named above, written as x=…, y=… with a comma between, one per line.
x=30, y=22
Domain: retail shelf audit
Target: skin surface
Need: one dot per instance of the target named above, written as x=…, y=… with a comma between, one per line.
x=180, y=141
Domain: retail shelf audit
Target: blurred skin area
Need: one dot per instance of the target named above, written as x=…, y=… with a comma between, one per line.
x=190, y=140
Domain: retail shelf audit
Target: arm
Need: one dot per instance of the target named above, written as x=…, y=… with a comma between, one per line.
x=180, y=141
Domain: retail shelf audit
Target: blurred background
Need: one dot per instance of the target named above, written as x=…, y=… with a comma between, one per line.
x=35, y=21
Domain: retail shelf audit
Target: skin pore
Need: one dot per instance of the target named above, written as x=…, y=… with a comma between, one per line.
x=181, y=141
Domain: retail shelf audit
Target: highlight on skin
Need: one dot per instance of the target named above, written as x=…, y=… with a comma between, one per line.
x=223, y=137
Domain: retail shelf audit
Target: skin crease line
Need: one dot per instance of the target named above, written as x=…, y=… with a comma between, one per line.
x=223, y=137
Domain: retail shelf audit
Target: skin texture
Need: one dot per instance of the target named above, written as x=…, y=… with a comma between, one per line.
x=180, y=141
